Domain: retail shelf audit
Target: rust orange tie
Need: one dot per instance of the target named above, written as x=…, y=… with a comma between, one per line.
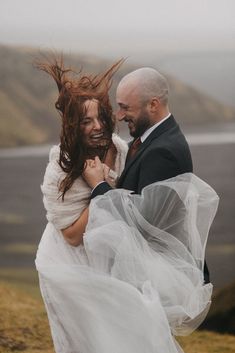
x=134, y=147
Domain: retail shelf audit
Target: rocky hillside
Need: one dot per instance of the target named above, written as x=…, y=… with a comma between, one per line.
x=27, y=96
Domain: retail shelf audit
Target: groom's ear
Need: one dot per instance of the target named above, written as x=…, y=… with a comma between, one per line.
x=153, y=105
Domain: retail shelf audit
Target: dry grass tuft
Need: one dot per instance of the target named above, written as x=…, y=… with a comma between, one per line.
x=24, y=328
x=23, y=323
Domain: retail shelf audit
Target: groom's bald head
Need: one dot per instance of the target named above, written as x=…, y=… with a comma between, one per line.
x=147, y=83
x=142, y=97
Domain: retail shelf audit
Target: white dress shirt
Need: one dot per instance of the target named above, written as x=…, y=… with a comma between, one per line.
x=148, y=132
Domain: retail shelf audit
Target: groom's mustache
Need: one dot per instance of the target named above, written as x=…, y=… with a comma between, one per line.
x=127, y=120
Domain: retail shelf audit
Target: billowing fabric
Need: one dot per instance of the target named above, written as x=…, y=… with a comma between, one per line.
x=138, y=278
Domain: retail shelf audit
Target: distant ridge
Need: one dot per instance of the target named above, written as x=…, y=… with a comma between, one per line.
x=27, y=97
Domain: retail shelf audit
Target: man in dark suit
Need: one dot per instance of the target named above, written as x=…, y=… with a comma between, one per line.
x=159, y=150
x=162, y=150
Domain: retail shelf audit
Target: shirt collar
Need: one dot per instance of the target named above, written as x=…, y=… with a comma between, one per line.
x=148, y=132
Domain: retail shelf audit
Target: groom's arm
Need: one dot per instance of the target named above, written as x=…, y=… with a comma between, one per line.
x=100, y=189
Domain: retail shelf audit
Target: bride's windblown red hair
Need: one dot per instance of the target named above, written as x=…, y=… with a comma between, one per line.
x=74, y=89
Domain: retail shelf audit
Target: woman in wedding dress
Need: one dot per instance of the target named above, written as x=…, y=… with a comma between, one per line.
x=132, y=277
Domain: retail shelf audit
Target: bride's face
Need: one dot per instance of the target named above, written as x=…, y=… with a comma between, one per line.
x=92, y=127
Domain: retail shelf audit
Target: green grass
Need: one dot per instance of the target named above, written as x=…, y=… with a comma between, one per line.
x=25, y=279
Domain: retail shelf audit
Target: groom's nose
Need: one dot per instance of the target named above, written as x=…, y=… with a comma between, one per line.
x=120, y=114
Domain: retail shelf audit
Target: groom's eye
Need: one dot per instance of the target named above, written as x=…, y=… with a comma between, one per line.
x=124, y=107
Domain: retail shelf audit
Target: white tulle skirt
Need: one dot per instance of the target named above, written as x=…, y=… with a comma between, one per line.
x=138, y=279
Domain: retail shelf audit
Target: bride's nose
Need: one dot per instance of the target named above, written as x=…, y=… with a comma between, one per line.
x=97, y=124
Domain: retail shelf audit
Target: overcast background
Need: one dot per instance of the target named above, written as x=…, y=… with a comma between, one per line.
x=120, y=27
x=193, y=40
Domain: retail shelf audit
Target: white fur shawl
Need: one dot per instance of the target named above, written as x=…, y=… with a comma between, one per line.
x=64, y=213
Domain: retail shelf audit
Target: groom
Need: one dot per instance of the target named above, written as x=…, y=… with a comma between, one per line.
x=159, y=149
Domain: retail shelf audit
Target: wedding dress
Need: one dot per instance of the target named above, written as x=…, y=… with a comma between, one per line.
x=137, y=280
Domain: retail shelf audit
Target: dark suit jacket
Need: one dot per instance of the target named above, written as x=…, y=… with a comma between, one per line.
x=164, y=154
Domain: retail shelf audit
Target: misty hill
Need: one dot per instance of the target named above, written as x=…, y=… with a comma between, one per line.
x=27, y=97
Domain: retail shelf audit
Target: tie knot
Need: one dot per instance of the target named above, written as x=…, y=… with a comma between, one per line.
x=137, y=142
x=134, y=147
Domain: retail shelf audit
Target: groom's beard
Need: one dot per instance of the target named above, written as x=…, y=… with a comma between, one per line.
x=141, y=124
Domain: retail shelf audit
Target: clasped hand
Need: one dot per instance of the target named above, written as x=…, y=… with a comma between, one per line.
x=95, y=172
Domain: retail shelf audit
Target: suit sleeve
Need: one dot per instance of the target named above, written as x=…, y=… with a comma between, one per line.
x=100, y=189
x=158, y=164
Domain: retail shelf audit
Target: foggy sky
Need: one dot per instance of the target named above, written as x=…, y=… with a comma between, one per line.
x=119, y=27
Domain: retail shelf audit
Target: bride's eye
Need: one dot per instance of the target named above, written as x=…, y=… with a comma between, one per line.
x=85, y=121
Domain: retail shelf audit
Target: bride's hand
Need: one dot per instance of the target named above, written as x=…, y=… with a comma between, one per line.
x=110, y=176
x=106, y=170
x=93, y=172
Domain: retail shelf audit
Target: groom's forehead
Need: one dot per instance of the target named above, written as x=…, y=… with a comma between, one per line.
x=127, y=93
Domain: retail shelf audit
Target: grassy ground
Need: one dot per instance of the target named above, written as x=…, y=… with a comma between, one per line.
x=23, y=322
x=24, y=279
x=24, y=326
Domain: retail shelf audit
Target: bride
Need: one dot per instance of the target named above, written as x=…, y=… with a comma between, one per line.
x=103, y=269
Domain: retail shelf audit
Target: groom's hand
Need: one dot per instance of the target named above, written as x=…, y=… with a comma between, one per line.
x=93, y=172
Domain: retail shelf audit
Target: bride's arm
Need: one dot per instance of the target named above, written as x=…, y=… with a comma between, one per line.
x=74, y=233
x=69, y=215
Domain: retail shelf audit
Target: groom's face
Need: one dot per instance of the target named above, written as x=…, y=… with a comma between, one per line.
x=132, y=110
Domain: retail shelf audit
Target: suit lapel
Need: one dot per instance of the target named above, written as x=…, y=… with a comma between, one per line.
x=166, y=125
